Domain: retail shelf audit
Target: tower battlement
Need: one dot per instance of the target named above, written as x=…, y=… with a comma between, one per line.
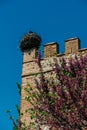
x=30, y=68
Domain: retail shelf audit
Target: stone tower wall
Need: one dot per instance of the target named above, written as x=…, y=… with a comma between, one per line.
x=30, y=68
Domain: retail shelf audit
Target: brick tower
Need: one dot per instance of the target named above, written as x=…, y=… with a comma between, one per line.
x=29, y=46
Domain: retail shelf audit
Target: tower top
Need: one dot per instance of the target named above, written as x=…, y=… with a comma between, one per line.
x=30, y=41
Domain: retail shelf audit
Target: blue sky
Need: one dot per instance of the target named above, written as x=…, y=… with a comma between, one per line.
x=54, y=20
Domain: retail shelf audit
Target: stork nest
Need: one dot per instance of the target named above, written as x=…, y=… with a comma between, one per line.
x=29, y=41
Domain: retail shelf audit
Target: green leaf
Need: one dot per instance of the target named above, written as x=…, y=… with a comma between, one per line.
x=19, y=88
x=8, y=111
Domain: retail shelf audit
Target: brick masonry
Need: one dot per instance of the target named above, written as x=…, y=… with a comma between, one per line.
x=30, y=68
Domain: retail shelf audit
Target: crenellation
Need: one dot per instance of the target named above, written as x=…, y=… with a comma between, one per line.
x=51, y=49
x=72, y=45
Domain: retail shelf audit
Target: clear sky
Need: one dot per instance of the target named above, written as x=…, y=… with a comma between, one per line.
x=54, y=20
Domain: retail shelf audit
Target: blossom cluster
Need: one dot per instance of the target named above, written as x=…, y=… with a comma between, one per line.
x=60, y=101
x=63, y=105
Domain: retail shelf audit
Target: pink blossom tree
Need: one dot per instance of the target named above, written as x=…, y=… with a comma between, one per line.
x=61, y=102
